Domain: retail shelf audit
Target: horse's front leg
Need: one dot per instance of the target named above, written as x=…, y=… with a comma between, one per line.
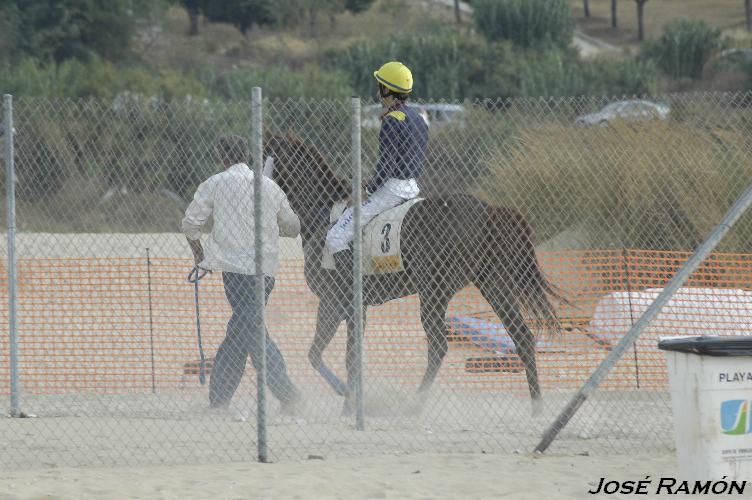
x=351, y=358
x=328, y=318
x=432, y=311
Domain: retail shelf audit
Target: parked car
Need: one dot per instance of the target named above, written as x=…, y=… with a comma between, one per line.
x=639, y=110
x=434, y=114
x=736, y=54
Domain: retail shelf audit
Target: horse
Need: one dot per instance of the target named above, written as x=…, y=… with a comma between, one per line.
x=447, y=243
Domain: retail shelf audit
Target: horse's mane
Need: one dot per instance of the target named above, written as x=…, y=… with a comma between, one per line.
x=298, y=157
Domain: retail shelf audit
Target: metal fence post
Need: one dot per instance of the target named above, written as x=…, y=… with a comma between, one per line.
x=151, y=321
x=358, y=264
x=258, y=213
x=625, y=264
x=10, y=190
x=700, y=254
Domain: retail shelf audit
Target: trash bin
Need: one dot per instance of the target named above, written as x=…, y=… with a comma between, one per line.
x=710, y=379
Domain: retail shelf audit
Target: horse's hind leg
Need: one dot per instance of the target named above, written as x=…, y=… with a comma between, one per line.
x=328, y=319
x=433, y=308
x=523, y=337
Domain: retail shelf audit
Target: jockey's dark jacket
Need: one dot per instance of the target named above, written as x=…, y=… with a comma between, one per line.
x=402, y=146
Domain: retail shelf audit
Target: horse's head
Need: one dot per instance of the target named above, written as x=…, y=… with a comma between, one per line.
x=303, y=174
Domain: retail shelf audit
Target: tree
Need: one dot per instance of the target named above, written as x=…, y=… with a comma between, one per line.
x=358, y=6
x=194, y=9
x=614, y=23
x=242, y=13
x=334, y=7
x=327, y=7
x=641, y=19
x=9, y=27
x=294, y=12
x=70, y=29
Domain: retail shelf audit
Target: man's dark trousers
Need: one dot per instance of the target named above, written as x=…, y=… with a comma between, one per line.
x=244, y=339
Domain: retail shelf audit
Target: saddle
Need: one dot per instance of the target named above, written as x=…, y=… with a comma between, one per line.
x=381, y=239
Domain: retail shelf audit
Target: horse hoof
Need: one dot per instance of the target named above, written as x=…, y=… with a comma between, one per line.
x=537, y=407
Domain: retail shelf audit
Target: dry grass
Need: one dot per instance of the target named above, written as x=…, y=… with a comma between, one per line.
x=725, y=14
x=173, y=48
x=222, y=46
x=661, y=185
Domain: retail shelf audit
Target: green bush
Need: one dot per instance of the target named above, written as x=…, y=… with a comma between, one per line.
x=444, y=65
x=59, y=30
x=41, y=155
x=95, y=78
x=153, y=143
x=142, y=144
x=278, y=81
x=9, y=32
x=451, y=66
x=311, y=103
x=560, y=73
x=526, y=23
x=684, y=48
x=626, y=77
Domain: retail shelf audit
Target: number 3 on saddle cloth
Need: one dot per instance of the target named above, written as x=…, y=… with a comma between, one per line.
x=381, y=240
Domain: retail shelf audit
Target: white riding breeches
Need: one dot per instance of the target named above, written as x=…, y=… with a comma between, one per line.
x=391, y=194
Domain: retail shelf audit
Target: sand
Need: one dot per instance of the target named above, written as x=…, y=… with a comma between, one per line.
x=176, y=429
x=419, y=476
x=92, y=396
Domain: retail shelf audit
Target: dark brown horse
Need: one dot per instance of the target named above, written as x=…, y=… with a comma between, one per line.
x=447, y=243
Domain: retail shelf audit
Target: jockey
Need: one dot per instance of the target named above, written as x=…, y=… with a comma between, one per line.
x=402, y=150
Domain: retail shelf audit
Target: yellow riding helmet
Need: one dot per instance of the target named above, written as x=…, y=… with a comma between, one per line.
x=395, y=76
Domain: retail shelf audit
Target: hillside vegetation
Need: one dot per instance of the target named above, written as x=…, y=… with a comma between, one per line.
x=319, y=48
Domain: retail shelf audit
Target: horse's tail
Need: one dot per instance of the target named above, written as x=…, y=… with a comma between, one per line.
x=511, y=249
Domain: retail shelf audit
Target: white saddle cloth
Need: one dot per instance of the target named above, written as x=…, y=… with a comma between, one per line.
x=381, y=240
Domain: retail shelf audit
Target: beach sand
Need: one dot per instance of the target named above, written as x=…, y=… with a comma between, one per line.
x=113, y=393
x=418, y=476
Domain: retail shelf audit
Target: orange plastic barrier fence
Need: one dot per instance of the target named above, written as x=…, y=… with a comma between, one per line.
x=125, y=325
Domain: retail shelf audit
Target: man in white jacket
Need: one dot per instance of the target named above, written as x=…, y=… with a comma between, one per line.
x=228, y=197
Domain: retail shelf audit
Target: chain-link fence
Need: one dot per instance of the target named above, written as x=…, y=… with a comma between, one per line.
x=555, y=218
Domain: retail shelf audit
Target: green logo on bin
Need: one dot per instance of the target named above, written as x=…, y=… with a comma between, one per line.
x=735, y=417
